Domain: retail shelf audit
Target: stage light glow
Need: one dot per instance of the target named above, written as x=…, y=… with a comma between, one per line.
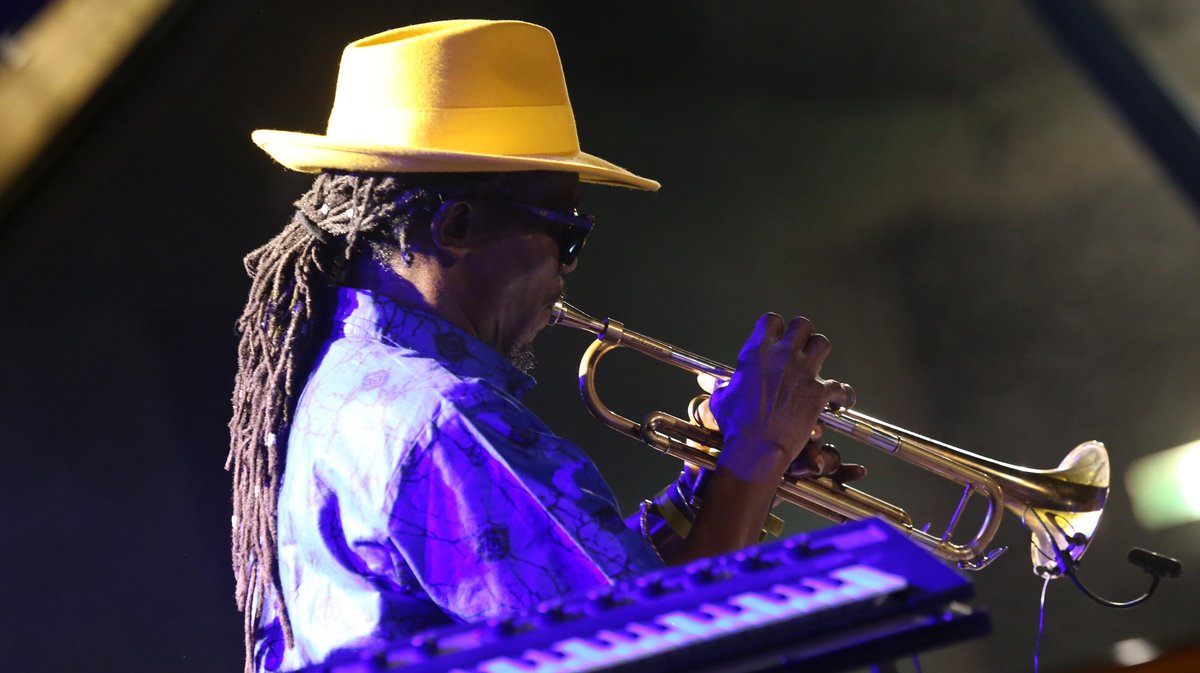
x=1162, y=487
x=1134, y=651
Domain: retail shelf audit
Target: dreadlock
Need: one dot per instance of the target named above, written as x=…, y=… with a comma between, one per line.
x=289, y=299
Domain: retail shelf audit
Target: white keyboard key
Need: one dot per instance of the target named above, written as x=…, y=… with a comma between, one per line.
x=724, y=619
x=825, y=593
x=505, y=665
x=624, y=645
x=685, y=623
x=800, y=599
x=547, y=662
x=660, y=637
x=762, y=604
x=866, y=576
x=578, y=647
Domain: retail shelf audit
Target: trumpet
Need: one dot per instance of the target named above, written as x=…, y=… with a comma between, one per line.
x=1060, y=507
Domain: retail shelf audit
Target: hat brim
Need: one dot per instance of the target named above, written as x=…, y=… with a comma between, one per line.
x=310, y=153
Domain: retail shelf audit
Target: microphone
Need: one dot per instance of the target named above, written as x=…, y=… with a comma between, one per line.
x=1154, y=563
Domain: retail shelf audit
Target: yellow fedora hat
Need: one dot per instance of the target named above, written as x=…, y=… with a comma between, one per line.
x=449, y=96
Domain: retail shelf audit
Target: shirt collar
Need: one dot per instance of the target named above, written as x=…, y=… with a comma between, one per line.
x=364, y=314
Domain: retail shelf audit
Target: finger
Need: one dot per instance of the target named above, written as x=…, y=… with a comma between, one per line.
x=767, y=330
x=850, y=396
x=816, y=349
x=815, y=459
x=838, y=394
x=798, y=332
x=828, y=460
x=707, y=382
x=849, y=472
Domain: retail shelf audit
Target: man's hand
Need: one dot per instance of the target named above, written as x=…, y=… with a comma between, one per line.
x=815, y=459
x=768, y=411
x=768, y=414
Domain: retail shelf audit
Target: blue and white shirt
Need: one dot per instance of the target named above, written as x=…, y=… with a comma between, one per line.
x=418, y=491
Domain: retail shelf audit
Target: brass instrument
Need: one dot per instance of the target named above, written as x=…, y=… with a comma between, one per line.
x=1060, y=507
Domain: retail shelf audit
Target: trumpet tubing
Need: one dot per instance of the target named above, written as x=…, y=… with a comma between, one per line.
x=1060, y=507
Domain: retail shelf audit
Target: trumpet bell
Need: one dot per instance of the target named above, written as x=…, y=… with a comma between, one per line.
x=1060, y=536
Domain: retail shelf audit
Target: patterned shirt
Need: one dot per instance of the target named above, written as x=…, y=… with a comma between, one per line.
x=419, y=491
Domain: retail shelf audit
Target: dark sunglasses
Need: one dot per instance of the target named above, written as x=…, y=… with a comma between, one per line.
x=573, y=230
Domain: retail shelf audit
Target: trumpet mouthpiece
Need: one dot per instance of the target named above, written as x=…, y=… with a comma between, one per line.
x=562, y=313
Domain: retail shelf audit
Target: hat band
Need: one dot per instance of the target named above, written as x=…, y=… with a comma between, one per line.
x=534, y=130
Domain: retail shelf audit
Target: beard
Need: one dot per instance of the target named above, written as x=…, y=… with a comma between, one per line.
x=521, y=356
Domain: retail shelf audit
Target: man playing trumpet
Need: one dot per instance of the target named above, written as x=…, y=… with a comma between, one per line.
x=382, y=355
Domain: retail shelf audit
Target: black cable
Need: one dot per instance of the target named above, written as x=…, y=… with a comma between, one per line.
x=1158, y=565
x=1115, y=604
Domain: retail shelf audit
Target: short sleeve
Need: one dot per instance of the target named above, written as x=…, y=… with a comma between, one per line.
x=494, y=514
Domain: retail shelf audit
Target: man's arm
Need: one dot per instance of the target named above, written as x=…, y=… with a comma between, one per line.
x=494, y=514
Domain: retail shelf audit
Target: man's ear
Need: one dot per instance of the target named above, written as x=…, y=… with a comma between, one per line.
x=449, y=227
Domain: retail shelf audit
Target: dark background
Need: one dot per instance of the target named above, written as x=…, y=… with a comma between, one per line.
x=997, y=260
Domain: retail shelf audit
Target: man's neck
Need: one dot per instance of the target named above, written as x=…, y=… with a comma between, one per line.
x=417, y=286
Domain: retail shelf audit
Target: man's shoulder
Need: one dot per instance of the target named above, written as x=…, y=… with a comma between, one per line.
x=364, y=402
x=370, y=371
x=368, y=405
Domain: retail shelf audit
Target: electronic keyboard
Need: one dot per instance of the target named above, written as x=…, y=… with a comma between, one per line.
x=832, y=599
